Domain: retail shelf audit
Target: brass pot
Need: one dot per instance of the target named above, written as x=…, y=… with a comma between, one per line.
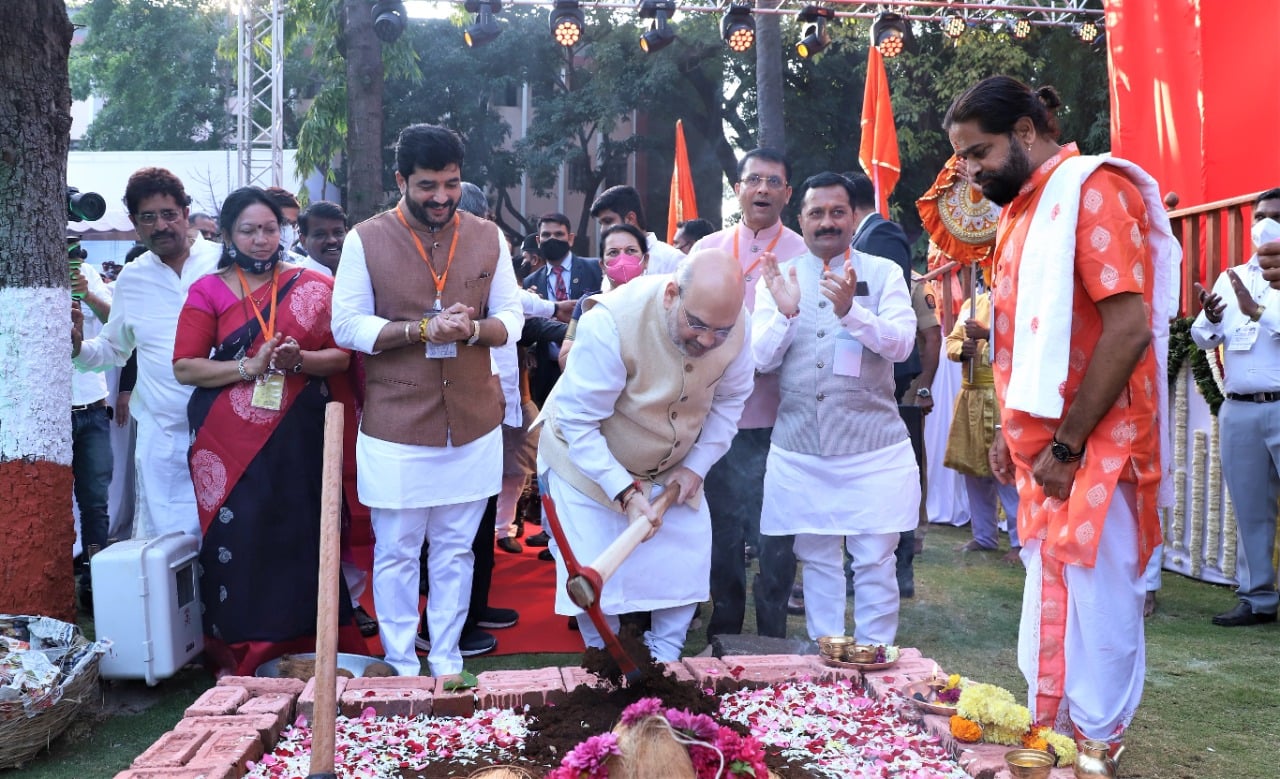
x=1029, y=763
x=861, y=653
x=834, y=647
x=1093, y=759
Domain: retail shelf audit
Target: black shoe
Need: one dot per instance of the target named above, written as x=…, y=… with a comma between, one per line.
x=367, y=624
x=1243, y=615
x=546, y=556
x=493, y=618
x=538, y=539
x=510, y=545
x=475, y=642
x=519, y=526
x=573, y=623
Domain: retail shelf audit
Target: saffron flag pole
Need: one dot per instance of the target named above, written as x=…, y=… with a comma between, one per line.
x=878, y=152
x=683, y=205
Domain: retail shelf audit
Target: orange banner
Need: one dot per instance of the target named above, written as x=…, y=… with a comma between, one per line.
x=683, y=205
x=878, y=152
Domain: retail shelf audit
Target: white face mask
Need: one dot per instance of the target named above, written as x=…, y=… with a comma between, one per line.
x=288, y=236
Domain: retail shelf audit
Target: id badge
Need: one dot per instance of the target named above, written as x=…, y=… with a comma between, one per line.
x=268, y=392
x=1243, y=338
x=848, y=356
x=435, y=351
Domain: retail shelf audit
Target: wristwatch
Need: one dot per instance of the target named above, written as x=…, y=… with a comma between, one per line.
x=1062, y=453
x=924, y=392
x=475, y=332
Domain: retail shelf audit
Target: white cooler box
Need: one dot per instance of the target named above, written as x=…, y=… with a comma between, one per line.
x=146, y=601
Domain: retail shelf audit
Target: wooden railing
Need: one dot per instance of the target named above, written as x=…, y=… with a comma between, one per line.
x=1214, y=237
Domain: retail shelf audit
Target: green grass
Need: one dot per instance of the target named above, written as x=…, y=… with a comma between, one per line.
x=1209, y=710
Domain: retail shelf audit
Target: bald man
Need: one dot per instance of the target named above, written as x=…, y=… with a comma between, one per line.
x=649, y=401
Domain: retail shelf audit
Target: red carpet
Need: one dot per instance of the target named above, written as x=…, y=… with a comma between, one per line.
x=526, y=584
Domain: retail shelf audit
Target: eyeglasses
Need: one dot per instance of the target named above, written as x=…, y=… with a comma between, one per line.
x=698, y=326
x=773, y=182
x=150, y=217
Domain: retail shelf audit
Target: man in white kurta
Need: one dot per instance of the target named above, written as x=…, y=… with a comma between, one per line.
x=833, y=322
x=649, y=400
x=144, y=316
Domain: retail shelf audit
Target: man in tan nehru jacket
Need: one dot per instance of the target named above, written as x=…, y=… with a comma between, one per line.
x=650, y=401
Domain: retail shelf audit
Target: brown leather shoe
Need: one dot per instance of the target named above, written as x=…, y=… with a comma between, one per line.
x=1243, y=615
x=974, y=546
x=367, y=624
x=510, y=545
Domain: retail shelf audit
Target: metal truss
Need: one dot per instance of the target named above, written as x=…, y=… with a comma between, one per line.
x=260, y=92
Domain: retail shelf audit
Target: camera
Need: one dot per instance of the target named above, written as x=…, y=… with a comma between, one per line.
x=84, y=206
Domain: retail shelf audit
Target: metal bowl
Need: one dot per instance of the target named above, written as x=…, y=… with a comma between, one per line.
x=356, y=664
x=1029, y=763
x=834, y=647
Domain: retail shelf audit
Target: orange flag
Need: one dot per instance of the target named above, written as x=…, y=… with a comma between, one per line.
x=683, y=204
x=878, y=152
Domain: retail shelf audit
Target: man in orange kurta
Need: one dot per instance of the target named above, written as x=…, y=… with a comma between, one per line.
x=1087, y=462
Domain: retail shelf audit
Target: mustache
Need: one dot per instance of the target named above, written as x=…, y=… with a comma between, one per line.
x=828, y=231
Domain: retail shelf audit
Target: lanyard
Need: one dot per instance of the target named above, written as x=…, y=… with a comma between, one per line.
x=826, y=264
x=440, y=279
x=268, y=327
x=768, y=248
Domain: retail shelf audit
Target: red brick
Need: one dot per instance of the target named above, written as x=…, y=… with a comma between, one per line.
x=711, y=672
x=680, y=671
x=307, y=698
x=387, y=702
x=263, y=685
x=216, y=701
x=452, y=703
x=276, y=704
x=264, y=725
x=222, y=770
x=392, y=683
x=174, y=748
x=574, y=676
x=763, y=670
x=232, y=746
x=821, y=672
x=517, y=689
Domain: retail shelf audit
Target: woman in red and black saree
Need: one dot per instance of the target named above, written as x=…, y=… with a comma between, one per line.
x=254, y=340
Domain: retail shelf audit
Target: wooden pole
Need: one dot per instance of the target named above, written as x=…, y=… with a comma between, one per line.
x=326, y=706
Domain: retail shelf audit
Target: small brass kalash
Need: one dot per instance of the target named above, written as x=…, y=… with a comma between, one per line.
x=1093, y=760
x=1029, y=763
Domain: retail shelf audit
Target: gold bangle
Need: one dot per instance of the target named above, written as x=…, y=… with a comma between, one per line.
x=422, y=330
x=1258, y=314
x=408, y=337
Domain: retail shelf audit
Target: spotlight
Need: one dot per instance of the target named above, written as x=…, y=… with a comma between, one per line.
x=815, y=38
x=738, y=28
x=1021, y=28
x=660, y=34
x=889, y=34
x=1088, y=32
x=567, y=22
x=389, y=19
x=953, y=25
x=485, y=28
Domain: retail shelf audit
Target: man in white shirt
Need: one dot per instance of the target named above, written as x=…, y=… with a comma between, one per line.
x=91, y=460
x=621, y=205
x=147, y=299
x=323, y=228
x=1243, y=313
x=841, y=472
x=650, y=399
x=425, y=290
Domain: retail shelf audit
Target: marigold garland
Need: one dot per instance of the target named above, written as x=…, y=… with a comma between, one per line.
x=1212, y=542
x=1195, y=544
x=1002, y=718
x=1064, y=747
x=965, y=730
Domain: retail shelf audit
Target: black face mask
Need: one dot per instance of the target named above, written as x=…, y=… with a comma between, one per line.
x=249, y=265
x=554, y=249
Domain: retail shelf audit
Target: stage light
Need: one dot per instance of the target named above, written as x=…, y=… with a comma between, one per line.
x=485, y=28
x=889, y=34
x=738, y=28
x=1021, y=28
x=1088, y=32
x=660, y=34
x=567, y=22
x=953, y=25
x=389, y=19
x=815, y=37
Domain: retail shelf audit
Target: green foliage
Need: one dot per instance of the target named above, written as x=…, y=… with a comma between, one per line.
x=1181, y=349
x=155, y=64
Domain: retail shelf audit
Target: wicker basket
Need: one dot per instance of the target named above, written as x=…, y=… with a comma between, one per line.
x=22, y=737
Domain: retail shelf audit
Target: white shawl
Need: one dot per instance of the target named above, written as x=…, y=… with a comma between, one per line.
x=1046, y=284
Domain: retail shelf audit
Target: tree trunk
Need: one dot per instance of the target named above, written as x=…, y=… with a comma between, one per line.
x=364, y=112
x=769, y=78
x=35, y=346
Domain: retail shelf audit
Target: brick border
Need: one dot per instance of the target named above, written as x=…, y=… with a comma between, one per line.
x=241, y=718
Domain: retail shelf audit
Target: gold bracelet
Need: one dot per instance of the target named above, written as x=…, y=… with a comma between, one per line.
x=1258, y=314
x=422, y=330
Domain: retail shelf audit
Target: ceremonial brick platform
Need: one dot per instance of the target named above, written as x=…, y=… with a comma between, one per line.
x=242, y=717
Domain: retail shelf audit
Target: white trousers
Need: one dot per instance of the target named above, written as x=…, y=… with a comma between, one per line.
x=1105, y=648
x=398, y=535
x=166, y=499
x=665, y=638
x=508, y=500
x=875, y=597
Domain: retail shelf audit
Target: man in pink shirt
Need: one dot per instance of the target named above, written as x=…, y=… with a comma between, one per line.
x=734, y=486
